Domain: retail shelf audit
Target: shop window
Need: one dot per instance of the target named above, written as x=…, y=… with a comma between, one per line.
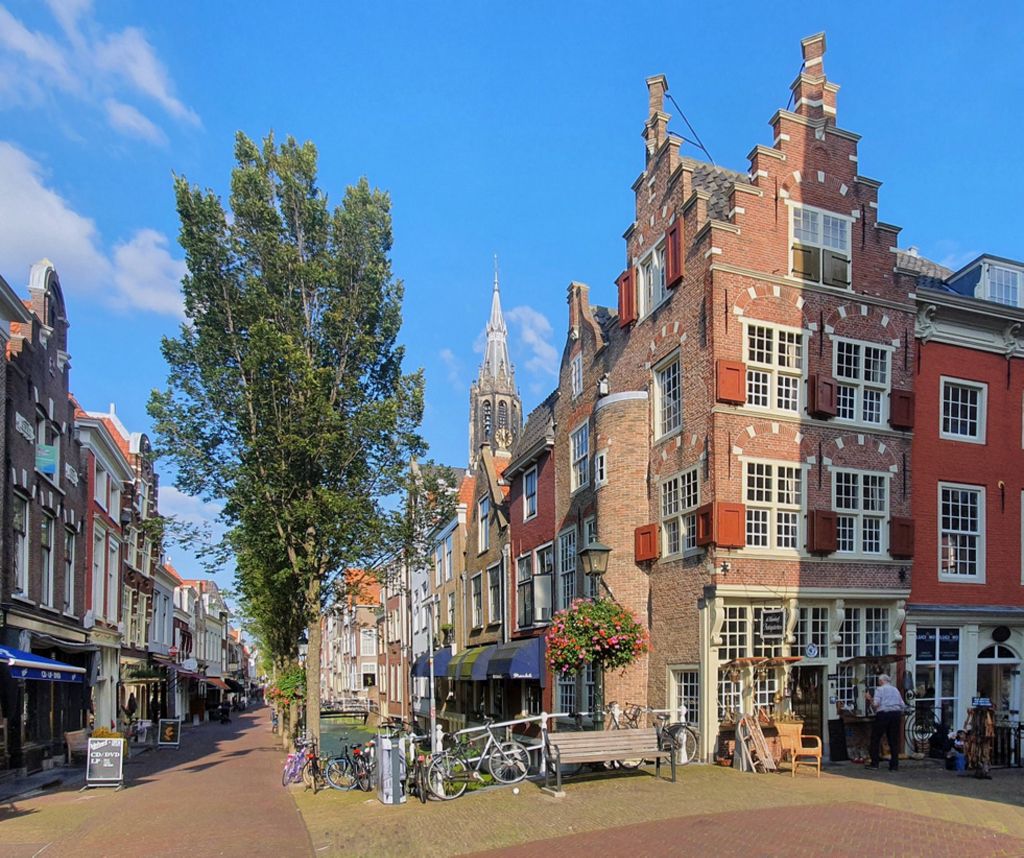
x=770, y=648
x=937, y=657
x=730, y=699
x=735, y=630
x=812, y=628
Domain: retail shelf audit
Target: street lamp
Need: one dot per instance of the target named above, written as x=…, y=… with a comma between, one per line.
x=303, y=647
x=594, y=559
x=594, y=562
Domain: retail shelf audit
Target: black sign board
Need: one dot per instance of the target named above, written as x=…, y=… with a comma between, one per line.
x=105, y=764
x=949, y=644
x=169, y=733
x=773, y=624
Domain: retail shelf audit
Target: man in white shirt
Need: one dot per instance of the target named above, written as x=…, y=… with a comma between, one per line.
x=888, y=707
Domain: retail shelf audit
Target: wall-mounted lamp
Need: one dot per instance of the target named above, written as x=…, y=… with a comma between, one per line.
x=594, y=559
x=602, y=385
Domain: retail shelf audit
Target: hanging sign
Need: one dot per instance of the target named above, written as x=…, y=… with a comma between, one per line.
x=105, y=764
x=169, y=733
x=46, y=459
x=773, y=624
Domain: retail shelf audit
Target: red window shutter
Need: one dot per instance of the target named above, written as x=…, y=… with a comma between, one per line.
x=674, y=254
x=645, y=543
x=731, y=525
x=732, y=382
x=821, y=531
x=901, y=409
x=627, y=298
x=901, y=538
x=821, y=396
x=705, y=525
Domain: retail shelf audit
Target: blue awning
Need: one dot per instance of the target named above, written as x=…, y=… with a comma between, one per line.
x=522, y=659
x=28, y=665
x=421, y=667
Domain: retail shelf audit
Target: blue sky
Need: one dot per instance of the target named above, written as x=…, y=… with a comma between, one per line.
x=511, y=129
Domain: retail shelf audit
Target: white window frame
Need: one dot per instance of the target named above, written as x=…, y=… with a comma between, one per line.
x=979, y=576
x=981, y=388
x=818, y=242
x=47, y=566
x=661, y=414
x=679, y=518
x=576, y=375
x=601, y=468
x=494, y=583
x=775, y=509
x=860, y=515
x=1016, y=285
x=565, y=575
x=860, y=385
x=101, y=484
x=69, y=571
x=483, y=524
x=539, y=583
x=579, y=456
x=774, y=370
x=684, y=682
x=21, y=553
x=448, y=571
x=476, y=595
x=530, y=497
x=652, y=289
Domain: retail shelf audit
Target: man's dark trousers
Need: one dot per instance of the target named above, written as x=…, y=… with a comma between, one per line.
x=887, y=724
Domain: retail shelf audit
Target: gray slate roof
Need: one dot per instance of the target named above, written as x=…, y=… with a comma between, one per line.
x=718, y=182
x=929, y=273
x=539, y=423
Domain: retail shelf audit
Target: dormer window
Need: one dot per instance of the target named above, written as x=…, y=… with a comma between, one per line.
x=653, y=287
x=1004, y=285
x=820, y=247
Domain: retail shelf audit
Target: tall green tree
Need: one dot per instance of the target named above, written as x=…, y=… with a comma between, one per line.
x=285, y=393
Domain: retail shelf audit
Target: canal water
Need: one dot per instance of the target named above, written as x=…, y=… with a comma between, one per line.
x=336, y=732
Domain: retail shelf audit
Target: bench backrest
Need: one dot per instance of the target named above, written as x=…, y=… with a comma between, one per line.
x=611, y=742
x=77, y=740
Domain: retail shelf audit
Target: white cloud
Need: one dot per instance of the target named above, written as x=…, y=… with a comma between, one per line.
x=123, y=117
x=147, y=276
x=98, y=68
x=129, y=55
x=188, y=508
x=534, y=332
x=453, y=366
x=38, y=222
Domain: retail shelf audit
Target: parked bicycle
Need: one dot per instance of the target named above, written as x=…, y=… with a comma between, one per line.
x=295, y=762
x=679, y=736
x=350, y=769
x=454, y=769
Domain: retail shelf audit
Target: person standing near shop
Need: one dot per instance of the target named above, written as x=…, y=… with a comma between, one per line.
x=888, y=707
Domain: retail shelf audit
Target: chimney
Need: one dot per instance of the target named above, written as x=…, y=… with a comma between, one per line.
x=813, y=95
x=656, y=128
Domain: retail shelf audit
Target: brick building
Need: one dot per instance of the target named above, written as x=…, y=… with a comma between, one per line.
x=737, y=432
x=43, y=592
x=965, y=618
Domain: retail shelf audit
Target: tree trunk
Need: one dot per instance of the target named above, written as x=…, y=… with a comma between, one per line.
x=313, y=661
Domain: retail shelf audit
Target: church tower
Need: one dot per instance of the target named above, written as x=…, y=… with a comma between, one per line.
x=495, y=410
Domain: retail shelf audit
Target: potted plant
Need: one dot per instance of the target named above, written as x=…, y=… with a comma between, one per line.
x=594, y=631
x=446, y=633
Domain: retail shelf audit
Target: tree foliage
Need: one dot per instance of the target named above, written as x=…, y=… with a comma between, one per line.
x=285, y=395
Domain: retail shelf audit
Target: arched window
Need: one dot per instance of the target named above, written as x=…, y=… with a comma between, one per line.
x=503, y=415
x=487, y=419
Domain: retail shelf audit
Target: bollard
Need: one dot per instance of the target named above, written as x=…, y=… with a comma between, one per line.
x=390, y=769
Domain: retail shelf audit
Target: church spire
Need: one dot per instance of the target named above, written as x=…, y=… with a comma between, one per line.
x=496, y=364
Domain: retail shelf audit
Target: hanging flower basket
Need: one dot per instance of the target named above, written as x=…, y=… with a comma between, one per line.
x=594, y=631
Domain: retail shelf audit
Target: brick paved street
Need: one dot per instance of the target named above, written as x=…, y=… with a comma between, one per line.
x=219, y=794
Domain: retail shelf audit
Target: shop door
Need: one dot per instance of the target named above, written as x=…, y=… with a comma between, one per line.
x=999, y=680
x=808, y=696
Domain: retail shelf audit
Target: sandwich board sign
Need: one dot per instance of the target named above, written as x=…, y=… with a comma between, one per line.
x=105, y=764
x=169, y=733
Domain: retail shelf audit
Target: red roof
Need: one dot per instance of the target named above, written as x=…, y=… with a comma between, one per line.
x=170, y=570
x=467, y=490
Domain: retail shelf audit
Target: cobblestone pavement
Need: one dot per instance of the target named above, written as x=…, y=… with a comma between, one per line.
x=219, y=794
x=921, y=810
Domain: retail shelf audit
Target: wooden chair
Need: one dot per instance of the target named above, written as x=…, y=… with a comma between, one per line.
x=795, y=745
x=77, y=743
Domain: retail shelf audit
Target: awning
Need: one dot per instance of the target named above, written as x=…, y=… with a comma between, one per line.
x=442, y=657
x=472, y=664
x=234, y=685
x=522, y=659
x=217, y=682
x=27, y=665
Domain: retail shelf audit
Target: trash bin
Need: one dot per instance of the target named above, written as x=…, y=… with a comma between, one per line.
x=390, y=769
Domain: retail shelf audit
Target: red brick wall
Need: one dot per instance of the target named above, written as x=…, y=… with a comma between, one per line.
x=1000, y=458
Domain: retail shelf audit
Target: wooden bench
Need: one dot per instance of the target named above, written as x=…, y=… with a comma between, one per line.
x=77, y=742
x=604, y=746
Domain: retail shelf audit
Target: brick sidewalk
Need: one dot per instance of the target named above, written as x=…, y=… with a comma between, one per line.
x=919, y=811
x=219, y=794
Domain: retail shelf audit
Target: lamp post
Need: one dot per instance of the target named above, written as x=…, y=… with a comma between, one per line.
x=594, y=562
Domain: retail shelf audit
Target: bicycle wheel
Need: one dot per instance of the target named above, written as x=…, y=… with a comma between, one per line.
x=448, y=776
x=508, y=762
x=363, y=780
x=339, y=774
x=310, y=775
x=286, y=772
x=420, y=782
x=683, y=740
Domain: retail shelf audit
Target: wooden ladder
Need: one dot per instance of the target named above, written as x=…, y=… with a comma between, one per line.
x=753, y=746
